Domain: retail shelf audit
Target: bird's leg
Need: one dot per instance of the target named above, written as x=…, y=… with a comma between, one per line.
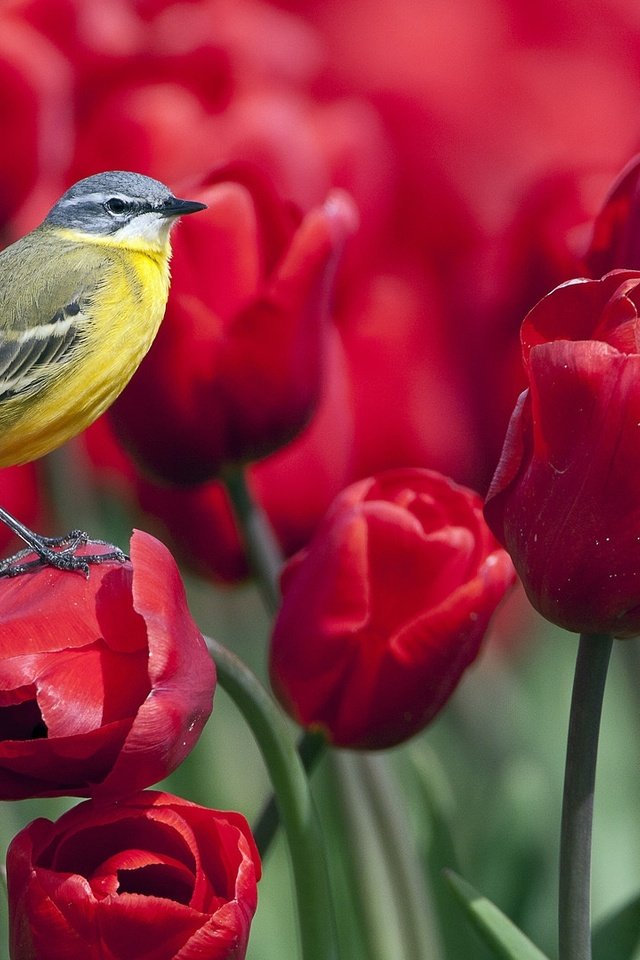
x=58, y=552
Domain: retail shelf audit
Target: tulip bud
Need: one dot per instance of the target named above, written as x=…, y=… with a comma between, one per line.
x=565, y=498
x=236, y=369
x=385, y=608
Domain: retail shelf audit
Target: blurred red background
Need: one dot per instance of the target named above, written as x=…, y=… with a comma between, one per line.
x=477, y=140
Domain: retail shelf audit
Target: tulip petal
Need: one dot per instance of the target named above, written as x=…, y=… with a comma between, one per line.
x=182, y=675
x=120, y=880
x=385, y=608
x=105, y=683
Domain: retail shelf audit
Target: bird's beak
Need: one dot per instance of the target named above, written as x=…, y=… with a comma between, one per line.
x=178, y=208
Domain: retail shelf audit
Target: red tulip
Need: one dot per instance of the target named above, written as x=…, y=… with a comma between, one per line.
x=105, y=683
x=294, y=485
x=616, y=231
x=236, y=369
x=151, y=878
x=565, y=499
x=385, y=608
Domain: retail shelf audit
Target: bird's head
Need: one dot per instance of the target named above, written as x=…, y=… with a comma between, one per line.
x=120, y=208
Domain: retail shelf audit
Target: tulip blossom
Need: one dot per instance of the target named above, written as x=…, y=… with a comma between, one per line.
x=616, y=231
x=151, y=878
x=385, y=608
x=236, y=369
x=105, y=683
x=294, y=485
x=565, y=499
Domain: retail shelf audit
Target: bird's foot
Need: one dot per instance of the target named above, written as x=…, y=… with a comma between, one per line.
x=60, y=552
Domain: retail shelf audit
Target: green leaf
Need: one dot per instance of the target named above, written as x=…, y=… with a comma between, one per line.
x=617, y=937
x=438, y=848
x=503, y=937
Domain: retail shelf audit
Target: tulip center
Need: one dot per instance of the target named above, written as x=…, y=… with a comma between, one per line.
x=22, y=721
x=156, y=880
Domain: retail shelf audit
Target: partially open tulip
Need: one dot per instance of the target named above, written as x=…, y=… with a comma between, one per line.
x=565, y=499
x=237, y=366
x=386, y=607
x=151, y=878
x=105, y=682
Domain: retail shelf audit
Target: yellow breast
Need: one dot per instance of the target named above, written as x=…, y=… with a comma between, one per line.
x=127, y=311
x=123, y=301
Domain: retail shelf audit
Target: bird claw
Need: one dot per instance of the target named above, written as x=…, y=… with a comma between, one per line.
x=59, y=552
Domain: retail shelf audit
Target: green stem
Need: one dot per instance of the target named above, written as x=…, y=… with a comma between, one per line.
x=267, y=723
x=262, y=549
x=413, y=903
x=384, y=877
x=311, y=748
x=574, y=912
x=372, y=895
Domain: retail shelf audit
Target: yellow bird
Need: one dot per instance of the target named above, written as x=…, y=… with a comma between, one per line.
x=81, y=300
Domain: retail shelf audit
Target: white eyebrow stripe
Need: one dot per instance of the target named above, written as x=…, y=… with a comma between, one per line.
x=96, y=198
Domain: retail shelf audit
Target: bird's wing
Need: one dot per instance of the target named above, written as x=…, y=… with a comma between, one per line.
x=28, y=356
x=43, y=325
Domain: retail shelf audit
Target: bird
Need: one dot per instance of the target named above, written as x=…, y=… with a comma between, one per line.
x=81, y=299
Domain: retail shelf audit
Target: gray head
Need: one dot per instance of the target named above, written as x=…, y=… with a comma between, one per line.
x=121, y=205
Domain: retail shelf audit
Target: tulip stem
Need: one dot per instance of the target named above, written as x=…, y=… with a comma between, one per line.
x=291, y=787
x=311, y=748
x=577, y=808
x=388, y=896
x=372, y=899
x=262, y=548
x=413, y=902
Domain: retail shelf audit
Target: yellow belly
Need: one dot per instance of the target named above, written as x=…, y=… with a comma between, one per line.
x=122, y=322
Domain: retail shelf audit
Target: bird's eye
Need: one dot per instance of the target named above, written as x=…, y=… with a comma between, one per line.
x=115, y=205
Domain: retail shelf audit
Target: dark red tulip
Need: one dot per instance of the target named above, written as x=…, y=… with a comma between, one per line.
x=386, y=607
x=153, y=877
x=565, y=499
x=105, y=682
x=616, y=233
x=294, y=485
x=236, y=369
